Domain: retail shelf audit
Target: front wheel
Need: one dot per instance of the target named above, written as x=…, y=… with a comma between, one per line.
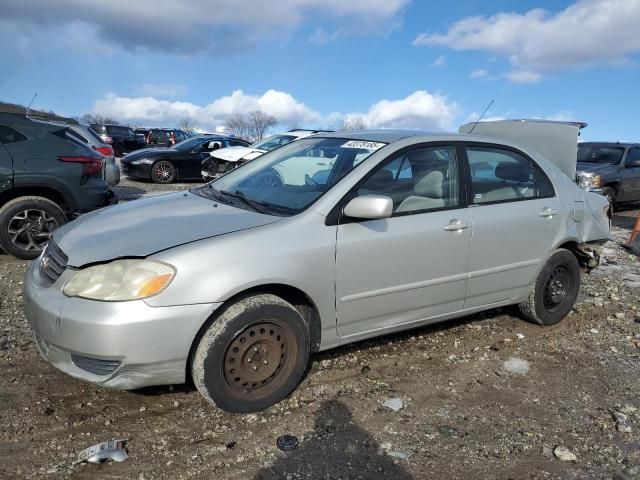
x=610, y=194
x=163, y=172
x=252, y=355
x=555, y=290
x=26, y=224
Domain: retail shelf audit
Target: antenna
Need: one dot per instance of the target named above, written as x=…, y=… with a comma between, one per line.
x=481, y=116
x=30, y=103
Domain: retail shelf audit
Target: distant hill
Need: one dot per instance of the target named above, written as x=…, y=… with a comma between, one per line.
x=39, y=114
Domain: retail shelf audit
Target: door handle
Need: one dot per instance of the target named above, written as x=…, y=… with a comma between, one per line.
x=455, y=225
x=548, y=212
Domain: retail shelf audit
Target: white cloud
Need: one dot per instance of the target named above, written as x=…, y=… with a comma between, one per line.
x=588, y=32
x=162, y=90
x=479, y=74
x=441, y=61
x=421, y=110
x=195, y=26
x=523, y=76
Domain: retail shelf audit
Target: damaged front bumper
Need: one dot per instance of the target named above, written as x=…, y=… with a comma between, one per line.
x=123, y=345
x=214, y=167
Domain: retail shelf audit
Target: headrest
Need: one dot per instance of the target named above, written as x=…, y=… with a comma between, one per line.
x=513, y=172
x=430, y=185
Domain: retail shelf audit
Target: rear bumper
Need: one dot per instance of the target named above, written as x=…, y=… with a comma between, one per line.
x=122, y=345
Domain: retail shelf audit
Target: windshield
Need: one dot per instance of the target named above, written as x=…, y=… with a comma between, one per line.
x=189, y=144
x=286, y=181
x=273, y=141
x=600, y=154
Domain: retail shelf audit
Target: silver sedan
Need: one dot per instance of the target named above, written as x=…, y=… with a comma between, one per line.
x=328, y=240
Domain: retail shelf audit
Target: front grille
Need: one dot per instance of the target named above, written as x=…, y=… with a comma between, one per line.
x=95, y=365
x=53, y=263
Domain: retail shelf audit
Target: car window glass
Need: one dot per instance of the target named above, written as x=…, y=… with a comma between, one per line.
x=501, y=175
x=417, y=181
x=633, y=155
x=9, y=135
x=76, y=136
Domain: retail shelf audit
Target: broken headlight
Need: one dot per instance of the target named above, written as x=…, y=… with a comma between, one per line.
x=120, y=280
x=588, y=180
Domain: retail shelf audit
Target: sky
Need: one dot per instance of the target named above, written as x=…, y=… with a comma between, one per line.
x=421, y=64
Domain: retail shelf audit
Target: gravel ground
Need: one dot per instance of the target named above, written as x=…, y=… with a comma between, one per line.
x=487, y=396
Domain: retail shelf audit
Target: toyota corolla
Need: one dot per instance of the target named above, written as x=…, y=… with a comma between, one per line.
x=328, y=240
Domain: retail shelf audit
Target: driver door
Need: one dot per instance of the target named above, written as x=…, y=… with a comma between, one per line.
x=394, y=272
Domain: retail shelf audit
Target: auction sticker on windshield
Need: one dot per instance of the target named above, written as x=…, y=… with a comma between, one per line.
x=364, y=145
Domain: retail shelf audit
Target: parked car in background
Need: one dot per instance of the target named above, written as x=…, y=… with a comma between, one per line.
x=45, y=180
x=229, y=158
x=123, y=139
x=181, y=162
x=87, y=136
x=610, y=168
x=165, y=137
x=234, y=284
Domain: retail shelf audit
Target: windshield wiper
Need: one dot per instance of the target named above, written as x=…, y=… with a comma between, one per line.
x=258, y=206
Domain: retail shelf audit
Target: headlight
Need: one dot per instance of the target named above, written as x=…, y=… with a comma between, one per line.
x=589, y=180
x=120, y=280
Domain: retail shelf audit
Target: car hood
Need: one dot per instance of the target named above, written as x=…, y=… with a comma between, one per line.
x=594, y=167
x=149, y=152
x=143, y=227
x=233, y=154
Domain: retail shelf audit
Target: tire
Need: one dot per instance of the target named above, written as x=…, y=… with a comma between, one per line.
x=610, y=195
x=555, y=290
x=234, y=364
x=163, y=172
x=26, y=224
x=118, y=149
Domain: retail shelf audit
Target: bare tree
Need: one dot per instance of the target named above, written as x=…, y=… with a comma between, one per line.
x=187, y=125
x=355, y=123
x=238, y=126
x=259, y=123
x=98, y=118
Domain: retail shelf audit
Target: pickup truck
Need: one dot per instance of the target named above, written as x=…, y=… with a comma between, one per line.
x=610, y=168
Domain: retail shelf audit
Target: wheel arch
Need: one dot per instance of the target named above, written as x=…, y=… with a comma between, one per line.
x=296, y=297
x=37, y=191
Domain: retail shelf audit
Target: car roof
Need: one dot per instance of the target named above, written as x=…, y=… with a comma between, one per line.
x=387, y=135
x=611, y=144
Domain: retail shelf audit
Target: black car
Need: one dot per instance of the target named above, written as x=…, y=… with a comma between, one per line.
x=182, y=162
x=165, y=137
x=46, y=178
x=123, y=139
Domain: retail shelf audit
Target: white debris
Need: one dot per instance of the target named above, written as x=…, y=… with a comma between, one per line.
x=516, y=365
x=394, y=404
x=594, y=331
x=520, y=336
x=564, y=454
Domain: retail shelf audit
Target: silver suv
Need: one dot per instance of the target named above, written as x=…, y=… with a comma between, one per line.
x=328, y=240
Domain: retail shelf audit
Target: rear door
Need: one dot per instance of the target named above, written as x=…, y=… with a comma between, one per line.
x=7, y=136
x=516, y=217
x=631, y=175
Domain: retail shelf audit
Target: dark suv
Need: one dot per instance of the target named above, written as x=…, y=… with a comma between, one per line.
x=122, y=139
x=45, y=179
x=165, y=137
x=610, y=168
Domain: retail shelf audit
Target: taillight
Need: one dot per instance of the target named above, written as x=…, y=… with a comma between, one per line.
x=106, y=138
x=107, y=151
x=90, y=165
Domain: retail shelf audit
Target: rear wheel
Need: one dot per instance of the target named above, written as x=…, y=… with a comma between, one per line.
x=555, y=290
x=163, y=172
x=26, y=224
x=118, y=149
x=252, y=355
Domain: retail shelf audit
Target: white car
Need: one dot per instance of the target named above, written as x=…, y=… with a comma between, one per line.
x=226, y=159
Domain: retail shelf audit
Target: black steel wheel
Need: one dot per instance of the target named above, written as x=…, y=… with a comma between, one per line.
x=555, y=290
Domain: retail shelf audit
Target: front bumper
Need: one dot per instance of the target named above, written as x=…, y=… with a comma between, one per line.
x=140, y=170
x=215, y=167
x=130, y=344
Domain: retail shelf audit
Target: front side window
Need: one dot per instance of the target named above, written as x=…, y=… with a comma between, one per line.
x=499, y=175
x=9, y=135
x=633, y=156
x=274, y=141
x=287, y=180
x=417, y=181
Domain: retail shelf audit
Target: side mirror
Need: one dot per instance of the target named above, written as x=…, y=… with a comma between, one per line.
x=369, y=207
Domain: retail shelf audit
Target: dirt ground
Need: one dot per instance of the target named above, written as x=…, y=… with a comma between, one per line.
x=488, y=396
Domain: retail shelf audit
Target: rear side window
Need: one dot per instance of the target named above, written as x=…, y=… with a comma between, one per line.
x=76, y=136
x=9, y=135
x=499, y=175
